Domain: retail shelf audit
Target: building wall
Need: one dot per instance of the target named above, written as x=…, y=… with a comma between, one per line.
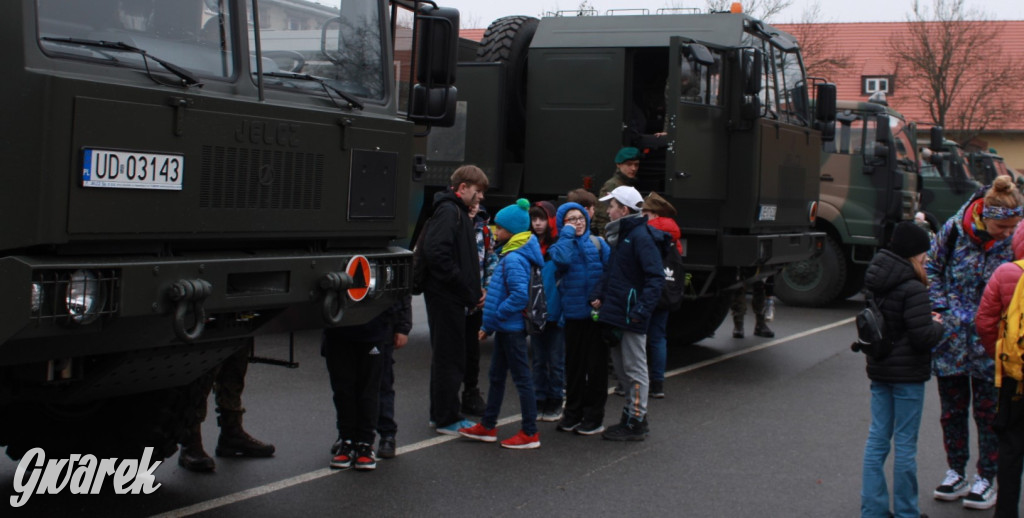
x=1010, y=146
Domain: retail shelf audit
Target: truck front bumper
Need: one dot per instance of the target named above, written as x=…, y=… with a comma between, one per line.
x=770, y=249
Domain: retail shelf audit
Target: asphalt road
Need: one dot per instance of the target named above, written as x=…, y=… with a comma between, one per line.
x=749, y=427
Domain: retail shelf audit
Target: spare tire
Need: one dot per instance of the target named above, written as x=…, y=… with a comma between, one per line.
x=507, y=40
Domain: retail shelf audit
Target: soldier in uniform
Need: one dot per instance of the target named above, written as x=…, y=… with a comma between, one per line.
x=227, y=385
x=627, y=163
x=759, y=291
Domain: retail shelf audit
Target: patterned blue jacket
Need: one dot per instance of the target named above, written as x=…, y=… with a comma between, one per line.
x=956, y=289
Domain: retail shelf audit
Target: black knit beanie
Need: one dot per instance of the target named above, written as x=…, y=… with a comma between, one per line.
x=909, y=240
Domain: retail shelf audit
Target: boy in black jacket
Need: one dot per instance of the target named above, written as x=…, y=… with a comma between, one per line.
x=357, y=358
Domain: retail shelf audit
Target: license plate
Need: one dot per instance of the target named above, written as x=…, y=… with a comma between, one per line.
x=767, y=213
x=132, y=170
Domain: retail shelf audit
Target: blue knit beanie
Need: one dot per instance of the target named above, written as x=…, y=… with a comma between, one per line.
x=515, y=218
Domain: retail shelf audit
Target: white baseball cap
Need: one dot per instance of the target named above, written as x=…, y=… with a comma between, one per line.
x=627, y=196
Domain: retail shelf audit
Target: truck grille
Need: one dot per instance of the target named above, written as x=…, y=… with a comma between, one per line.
x=238, y=178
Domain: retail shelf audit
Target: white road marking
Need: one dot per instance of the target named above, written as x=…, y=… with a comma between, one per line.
x=441, y=439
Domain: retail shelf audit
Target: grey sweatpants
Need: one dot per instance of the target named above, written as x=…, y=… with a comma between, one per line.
x=630, y=361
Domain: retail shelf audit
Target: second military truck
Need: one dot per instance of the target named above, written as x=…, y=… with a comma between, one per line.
x=545, y=105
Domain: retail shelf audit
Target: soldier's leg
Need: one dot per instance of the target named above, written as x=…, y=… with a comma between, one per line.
x=738, y=307
x=757, y=302
x=228, y=387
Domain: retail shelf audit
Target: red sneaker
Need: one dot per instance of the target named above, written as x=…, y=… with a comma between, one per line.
x=521, y=441
x=480, y=432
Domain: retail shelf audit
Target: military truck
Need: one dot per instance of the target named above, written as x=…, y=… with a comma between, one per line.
x=987, y=165
x=869, y=182
x=545, y=105
x=176, y=189
x=946, y=179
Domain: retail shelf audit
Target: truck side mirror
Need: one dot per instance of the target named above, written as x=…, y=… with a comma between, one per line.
x=433, y=106
x=752, y=64
x=825, y=111
x=936, y=138
x=437, y=45
x=883, y=133
x=700, y=54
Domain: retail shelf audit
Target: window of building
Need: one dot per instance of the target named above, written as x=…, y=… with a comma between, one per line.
x=872, y=84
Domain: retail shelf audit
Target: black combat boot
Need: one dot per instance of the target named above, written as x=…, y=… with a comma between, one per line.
x=737, y=327
x=386, y=447
x=761, y=328
x=192, y=456
x=234, y=442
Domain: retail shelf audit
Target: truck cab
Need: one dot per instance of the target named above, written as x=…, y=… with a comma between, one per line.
x=185, y=176
x=869, y=182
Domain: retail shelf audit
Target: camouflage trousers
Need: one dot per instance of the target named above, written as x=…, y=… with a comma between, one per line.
x=227, y=385
x=757, y=300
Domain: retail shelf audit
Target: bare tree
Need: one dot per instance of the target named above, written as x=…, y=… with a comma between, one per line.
x=761, y=9
x=951, y=59
x=823, y=57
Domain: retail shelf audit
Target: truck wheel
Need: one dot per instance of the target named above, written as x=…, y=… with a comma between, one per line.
x=119, y=427
x=698, y=319
x=507, y=40
x=854, y=281
x=813, y=282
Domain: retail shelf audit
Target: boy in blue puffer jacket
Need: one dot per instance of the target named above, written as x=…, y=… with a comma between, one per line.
x=579, y=259
x=507, y=298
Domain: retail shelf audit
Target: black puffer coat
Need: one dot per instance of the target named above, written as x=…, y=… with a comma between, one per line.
x=907, y=309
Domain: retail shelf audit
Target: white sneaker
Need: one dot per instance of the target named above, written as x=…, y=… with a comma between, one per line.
x=982, y=495
x=953, y=487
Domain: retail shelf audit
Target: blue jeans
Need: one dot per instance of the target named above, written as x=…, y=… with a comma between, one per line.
x=549, y=363
x=657, y=345
x=896, y=416
x=510, y=355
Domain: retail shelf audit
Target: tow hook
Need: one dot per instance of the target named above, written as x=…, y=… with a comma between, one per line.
x=333, y=284
x=189, y=294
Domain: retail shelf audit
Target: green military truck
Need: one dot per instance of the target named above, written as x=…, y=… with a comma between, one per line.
x=987, y=165
x=545, y=104
x=175, y=189
x=869, y=182
x=947, y=180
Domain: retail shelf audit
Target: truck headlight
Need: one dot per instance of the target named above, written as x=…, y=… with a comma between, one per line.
x=84, y=297
x=37, y=297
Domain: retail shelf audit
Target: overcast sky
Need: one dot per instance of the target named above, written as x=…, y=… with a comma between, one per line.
x=479, y=13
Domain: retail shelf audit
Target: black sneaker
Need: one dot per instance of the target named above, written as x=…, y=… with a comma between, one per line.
x=589, y=428
x=364, y=457
x=473, y=403
x=568, y=424
x=656, y=390
x=345, y=456
x=386, y=447
x=632, y=430
x=952, y=488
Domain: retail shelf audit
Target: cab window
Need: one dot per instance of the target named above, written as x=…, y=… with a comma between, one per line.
x=193, y=35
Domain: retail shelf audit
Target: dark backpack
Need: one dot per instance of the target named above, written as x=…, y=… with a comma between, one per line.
x=871, y=339
x=675, y=278
x=536, y=312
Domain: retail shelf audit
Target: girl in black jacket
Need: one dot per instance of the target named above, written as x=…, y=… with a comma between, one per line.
x=897, y=280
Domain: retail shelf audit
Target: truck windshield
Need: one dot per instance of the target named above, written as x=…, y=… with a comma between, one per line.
x=192, y=34
x=338, y=41
x=905, y=150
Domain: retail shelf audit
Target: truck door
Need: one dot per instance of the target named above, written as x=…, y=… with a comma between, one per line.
x=696, y=159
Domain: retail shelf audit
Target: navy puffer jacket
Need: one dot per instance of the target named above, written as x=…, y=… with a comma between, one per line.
x=631, y=285
x=579, y=264
x=907, y=310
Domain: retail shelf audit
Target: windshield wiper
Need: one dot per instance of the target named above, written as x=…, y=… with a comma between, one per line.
x=352, y=102
x=187, y=79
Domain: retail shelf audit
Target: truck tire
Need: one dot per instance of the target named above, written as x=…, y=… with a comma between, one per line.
x=120, y=427
x=507, y=40
x=698, y=319
x=814, y=282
